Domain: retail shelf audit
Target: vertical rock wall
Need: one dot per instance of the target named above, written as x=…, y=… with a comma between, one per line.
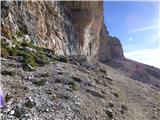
x=68, y=28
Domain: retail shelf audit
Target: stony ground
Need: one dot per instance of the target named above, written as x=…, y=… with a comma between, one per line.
x=65, y=91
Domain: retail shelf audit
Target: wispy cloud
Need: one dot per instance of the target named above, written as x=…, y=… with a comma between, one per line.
x=143, y=29
x=146, y=56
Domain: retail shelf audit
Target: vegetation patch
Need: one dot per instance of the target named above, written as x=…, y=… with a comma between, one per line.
x=73, y=85
x=28, y=58
x=40, y=82
x=42, y=59
x=19, y=34
x=38, y=57
x=4, y=52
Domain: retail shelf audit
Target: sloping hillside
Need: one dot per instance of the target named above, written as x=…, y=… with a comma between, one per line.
x=63, y=91
x=58, y=61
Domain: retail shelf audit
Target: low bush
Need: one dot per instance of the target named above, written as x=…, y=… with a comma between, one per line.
x=42, y=59
x=28, y=58
x=74, y=85
x=19, y=34
x=4, y=52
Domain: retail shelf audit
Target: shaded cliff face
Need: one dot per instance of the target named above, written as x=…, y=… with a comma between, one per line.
x=87, y=18
x=65, y=27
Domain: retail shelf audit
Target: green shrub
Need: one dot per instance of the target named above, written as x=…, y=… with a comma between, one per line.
x=26, y=44
x=4, y=52
x=19, y=34
x=28, y=58
x=40, y=49
x=12, y=51
x=42, y=59
x=15, y=42
x=73, y=85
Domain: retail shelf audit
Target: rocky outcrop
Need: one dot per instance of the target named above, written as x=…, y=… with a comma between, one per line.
x=110, y=47
x=44, y=22
x=64, y=27
x=68, y=28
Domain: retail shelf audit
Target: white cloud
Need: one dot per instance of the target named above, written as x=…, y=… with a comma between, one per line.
x=143, y=28
x=130, y=39
x=146, y=56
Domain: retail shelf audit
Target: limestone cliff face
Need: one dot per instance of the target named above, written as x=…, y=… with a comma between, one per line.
x=110, y=47
x=67, y=28
x=44, y=22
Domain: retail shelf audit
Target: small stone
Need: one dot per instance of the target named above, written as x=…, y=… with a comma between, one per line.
x=109, y=77
x=77, y=103
x=54, y=97
x=103, y=92
x=29, y=77
x=124, y=107
x=46, y=110
x=95, y=93
x=109, y=112
x=12, y=112
x=102, y=70
x=67, y=87
x=28, y=67
x=111, y=104
x=77, y=79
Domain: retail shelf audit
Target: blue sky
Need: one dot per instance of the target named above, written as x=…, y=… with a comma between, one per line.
x=137, y=25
